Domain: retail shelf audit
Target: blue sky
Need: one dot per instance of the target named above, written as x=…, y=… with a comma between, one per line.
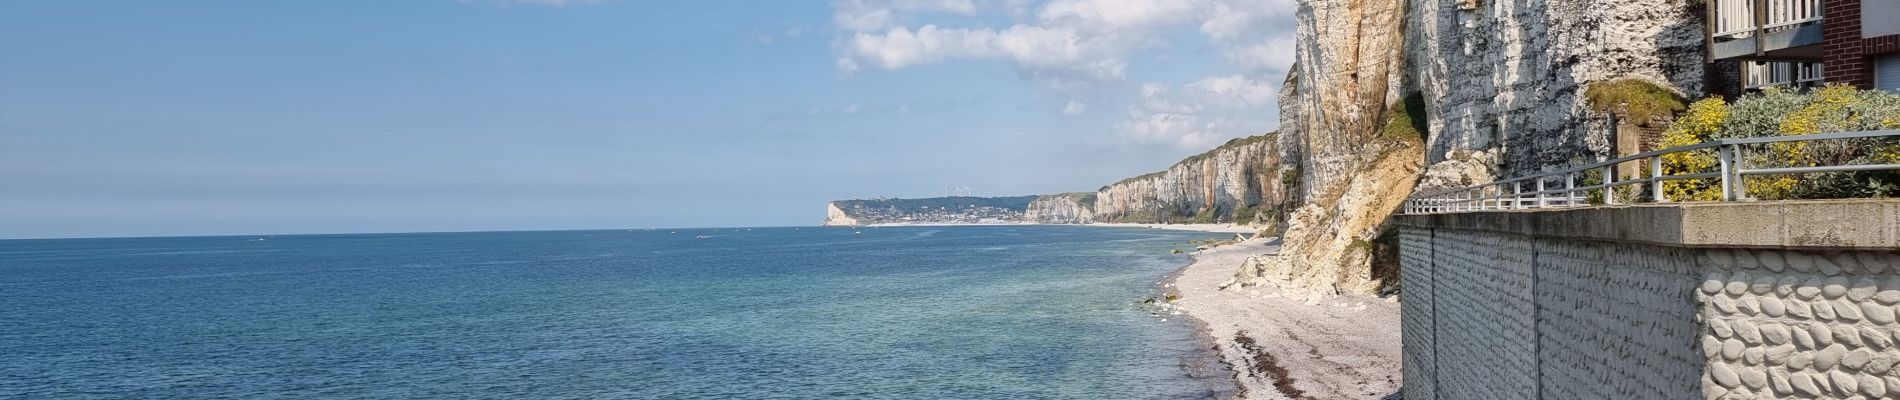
x=142, y=118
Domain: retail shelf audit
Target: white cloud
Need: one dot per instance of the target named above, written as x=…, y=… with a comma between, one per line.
x=1233, y=91
x=850, y=109
x=1074, y=107
x=1268, y=58
x=1082, y=47
x=1073, y=39
x=1239, y=20
x=1117, y=15
x=1200, y=112
x=848, y=66
x=870, y=15
x=1183, y=131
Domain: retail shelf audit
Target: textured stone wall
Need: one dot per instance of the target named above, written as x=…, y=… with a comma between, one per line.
x=1492, y=315
x=1417, y=321
x=1485, y=330
x=1807, y=324
x=1615, y=320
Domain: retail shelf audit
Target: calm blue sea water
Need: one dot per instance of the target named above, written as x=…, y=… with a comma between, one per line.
x=965, y=312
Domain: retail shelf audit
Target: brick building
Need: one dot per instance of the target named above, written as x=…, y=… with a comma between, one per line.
x=1804, y=43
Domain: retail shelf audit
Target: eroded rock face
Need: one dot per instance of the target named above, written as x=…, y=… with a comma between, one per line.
x=837, y=217
x=1349, y=71
x=1502, y=83
x=1507, y=77
x=1242, y=175
x=1348, y=68
x=1065, y=208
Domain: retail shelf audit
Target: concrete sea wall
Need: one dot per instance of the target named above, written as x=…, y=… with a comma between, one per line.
x=1682, y=302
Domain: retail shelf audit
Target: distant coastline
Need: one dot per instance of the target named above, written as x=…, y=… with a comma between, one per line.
x=1217, y=228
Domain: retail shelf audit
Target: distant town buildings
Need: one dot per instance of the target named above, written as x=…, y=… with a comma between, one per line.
x=968, y=214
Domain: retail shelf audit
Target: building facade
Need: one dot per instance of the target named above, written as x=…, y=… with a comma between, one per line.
x=1806, y=43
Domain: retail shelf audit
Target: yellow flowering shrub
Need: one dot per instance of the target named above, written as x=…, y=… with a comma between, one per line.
x=1776, y=112
x=1704, y=117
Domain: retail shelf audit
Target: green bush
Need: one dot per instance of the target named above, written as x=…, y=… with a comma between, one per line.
x=1775, y=112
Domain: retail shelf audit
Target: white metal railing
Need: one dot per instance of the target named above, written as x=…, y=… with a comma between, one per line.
x=1737, y=17
x=1560, y=188
x=1760, y=75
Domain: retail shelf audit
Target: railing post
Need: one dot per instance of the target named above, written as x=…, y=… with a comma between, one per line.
x=1655, y=180
x=1741, y=186
x=1540, y=192
x=1725, y=159
x=1517, y=195
x=1609, y=187
x=1570, y=189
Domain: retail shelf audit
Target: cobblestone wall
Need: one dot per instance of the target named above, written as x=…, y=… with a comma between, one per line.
x=1805, y=324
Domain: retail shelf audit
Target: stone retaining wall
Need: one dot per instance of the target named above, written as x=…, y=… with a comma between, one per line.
x=1496, y=307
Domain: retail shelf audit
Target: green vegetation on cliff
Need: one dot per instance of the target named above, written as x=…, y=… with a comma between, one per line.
x=1405, y=121
x=1635, y=99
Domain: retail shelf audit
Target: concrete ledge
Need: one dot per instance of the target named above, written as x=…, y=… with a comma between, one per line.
x=1808, y=224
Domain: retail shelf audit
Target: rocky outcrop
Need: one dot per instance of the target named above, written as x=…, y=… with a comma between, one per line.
x=1501, y=83
x=1503, y=80
x=1238, y=182
x=1347, y=71
x=1344, y=88
x=835, y=216
x=1064, y=208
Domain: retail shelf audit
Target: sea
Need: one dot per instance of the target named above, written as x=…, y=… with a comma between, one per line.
x=980, y=312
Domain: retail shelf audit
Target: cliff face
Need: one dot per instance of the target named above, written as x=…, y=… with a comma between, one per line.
x=1503, y=79
x=1236, y=182
x=1347, y=70
x=1337, y=100
x=835, y=216
x=1065, y=208
x=1500, y=83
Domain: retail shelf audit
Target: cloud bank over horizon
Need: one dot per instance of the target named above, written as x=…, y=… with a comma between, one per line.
x=1084, y=50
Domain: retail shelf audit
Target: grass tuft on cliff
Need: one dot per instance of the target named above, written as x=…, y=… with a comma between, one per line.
x=1405, y=121
x=1634, y=99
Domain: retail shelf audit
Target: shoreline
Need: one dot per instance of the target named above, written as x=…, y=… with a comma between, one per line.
x=1215, y=228
x=1278, y=348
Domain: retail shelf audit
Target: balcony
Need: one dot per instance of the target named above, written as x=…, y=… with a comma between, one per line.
x=1765, y=30
x=1795, y=75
